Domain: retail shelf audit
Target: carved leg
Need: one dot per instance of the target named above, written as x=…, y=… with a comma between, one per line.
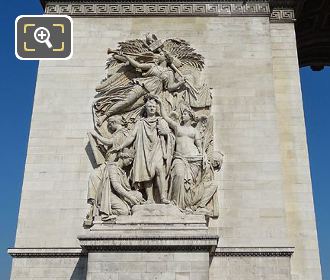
x=118, y=207
x=88, y=222
x=150, y=192
x=207, y=196
x=161, y=184
x=132, y=97
x=178, y=192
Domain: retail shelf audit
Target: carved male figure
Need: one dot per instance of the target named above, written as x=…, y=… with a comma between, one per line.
x=119, y=134
x=109, y=192
x=151, y=138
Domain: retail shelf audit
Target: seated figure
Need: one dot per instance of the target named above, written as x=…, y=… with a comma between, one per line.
x=109, y=191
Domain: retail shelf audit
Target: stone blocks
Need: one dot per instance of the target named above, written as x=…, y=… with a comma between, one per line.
x=151, y=265
x=264, y=189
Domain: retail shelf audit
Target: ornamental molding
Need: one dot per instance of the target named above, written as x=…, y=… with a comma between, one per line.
x=181, y=8
x=46, y=252
x=282, y=16
x=148, y=243
x=254, y=251
x=219, y=252
x=207, y=9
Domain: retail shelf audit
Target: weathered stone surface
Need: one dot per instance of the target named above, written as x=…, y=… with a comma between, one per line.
x=139, y=266
x=264, y=191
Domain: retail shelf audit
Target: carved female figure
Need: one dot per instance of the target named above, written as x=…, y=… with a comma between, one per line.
x=187, y=166
x=156, y=77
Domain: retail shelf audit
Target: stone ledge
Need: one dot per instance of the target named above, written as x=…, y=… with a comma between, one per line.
x=218, y=252
x=45, y=252
x=110, y=242
x=254, y=251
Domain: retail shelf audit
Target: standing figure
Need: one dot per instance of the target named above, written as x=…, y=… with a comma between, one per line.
x=189, y=159
x=156, y=77
x=151, y=139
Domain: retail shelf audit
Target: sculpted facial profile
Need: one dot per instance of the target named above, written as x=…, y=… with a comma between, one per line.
x=155, y=89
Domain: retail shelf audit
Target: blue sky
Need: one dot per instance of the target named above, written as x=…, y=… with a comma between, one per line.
x=17, y=91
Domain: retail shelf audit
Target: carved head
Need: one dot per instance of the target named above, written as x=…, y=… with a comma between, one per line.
x=114, y=123
x=127, y=156
x=187, y=114
x=150, y=105
x=150, y=38
x=159, y=59
x=217, y=161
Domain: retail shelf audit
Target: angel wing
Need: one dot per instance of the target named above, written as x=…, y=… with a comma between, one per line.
x=136, y=46
x=182, y=50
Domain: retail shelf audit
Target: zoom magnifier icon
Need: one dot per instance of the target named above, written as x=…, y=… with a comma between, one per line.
x=42, y=35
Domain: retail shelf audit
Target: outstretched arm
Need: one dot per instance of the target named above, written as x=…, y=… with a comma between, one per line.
x=134, y=63
x=120, y=57
x=172, y=124
x=172, y=85
x=129, y=140
x=104, y=140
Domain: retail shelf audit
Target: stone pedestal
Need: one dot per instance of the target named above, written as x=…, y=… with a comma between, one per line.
x=156, y=242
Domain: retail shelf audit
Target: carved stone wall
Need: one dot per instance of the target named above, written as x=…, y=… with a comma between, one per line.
x=247, y=67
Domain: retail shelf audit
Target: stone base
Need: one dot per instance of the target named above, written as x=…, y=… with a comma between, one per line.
x=148, y=266
x=153, y=219
x=156, y=242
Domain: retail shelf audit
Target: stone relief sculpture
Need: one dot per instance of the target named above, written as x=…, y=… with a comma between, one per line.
x=153, y=104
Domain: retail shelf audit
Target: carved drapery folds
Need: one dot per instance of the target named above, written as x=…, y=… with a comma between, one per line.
x=153, y=138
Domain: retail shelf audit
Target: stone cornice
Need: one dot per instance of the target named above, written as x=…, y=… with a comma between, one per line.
x=219, y=252
x=254, y=251
x=173, y=8
x=106, y=242
x=182, y=8
x=45, y=252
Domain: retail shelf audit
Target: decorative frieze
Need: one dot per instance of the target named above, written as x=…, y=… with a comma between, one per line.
x=282, y=15
x=45, y=252
x=254, y=251
x=192, y=8
x=198, y=244
x=160, y=9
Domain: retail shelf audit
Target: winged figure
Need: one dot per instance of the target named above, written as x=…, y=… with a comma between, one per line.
x=169, y=69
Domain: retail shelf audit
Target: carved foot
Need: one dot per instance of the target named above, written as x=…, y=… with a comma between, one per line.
x=150, y=201
x=105, y=218
x=202, y=211
x=88, y=223
x=165, y=201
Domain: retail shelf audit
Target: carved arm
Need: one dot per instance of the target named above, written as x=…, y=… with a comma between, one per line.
x=134, y=63
x=198, y=142
x=172, y=124
x=129, y=140
x=172, y=85
x=102, y=139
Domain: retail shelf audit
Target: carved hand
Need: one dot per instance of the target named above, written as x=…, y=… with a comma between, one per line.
x=100, y=120
x=134, y=200
x=116, y=149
